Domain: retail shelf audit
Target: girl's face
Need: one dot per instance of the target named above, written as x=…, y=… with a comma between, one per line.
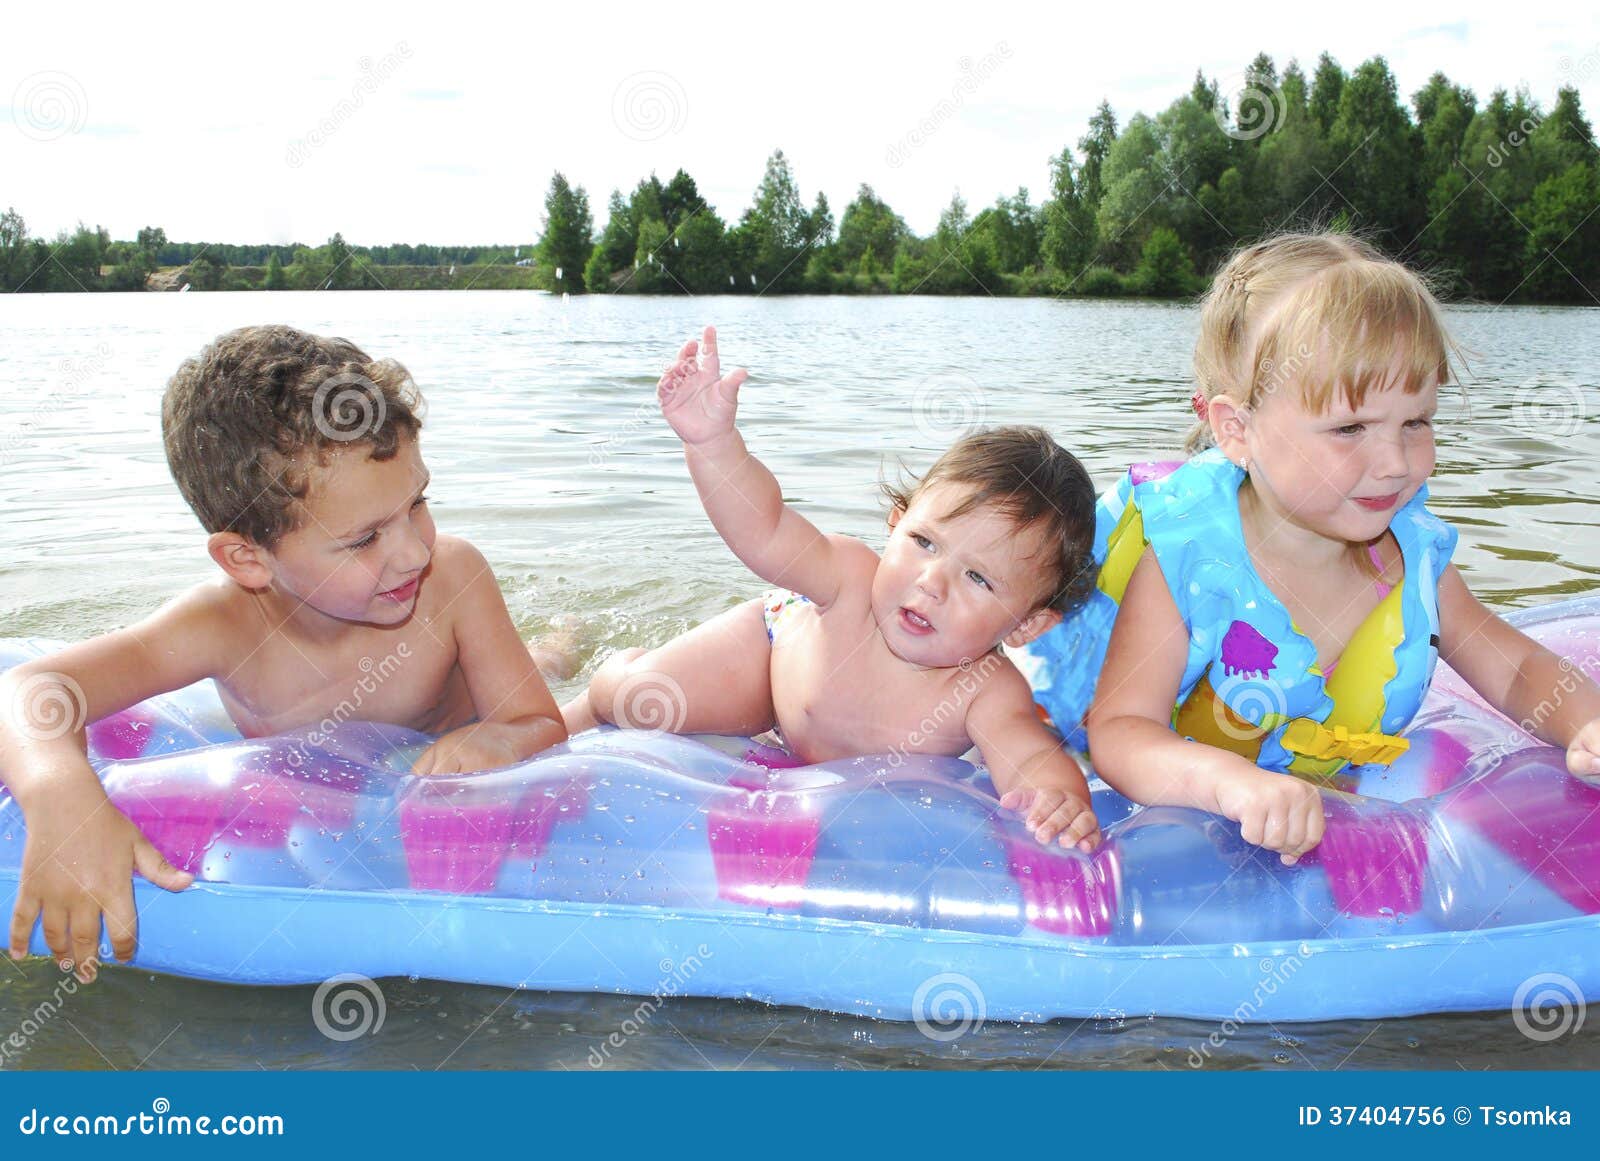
x=1342, y=473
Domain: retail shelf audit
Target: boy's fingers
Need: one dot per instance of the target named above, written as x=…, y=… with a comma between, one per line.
x=735, y=379
x=23, y=916
x=708, y=342
x=85, y=941
x=150, y=863
x=122, y=924
x=54, y=925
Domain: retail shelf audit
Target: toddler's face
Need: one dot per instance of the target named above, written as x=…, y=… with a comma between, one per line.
x=1343, y=473
x=365, y=537
x=949, y=590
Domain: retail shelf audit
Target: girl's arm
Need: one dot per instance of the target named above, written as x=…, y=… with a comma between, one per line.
x=1546, y=695
x=1033, y=773
x=1136, y=751
x=738, y=492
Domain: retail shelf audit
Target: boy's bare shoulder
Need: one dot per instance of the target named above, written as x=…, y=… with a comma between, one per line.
x=457, y=564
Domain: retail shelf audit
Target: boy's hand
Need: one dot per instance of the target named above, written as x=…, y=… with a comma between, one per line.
x=1277, y=811
x=1583, y=755
x=698, y=401
x=467, y=749
x=1051, y=812
x=76, y=868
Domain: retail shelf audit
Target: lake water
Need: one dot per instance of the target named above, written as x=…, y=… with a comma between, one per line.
x=547, y=451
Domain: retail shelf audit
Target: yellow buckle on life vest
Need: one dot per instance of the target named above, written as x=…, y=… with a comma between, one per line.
x=1315, y=740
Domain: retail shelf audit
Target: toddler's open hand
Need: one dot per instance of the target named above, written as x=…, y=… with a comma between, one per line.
x=1051, y=813
x=697, y=399
x=1583, y=756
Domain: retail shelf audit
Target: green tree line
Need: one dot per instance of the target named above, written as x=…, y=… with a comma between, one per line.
x=1495, y=199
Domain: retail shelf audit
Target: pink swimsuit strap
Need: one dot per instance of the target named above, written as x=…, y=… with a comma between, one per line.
x=1377, y=563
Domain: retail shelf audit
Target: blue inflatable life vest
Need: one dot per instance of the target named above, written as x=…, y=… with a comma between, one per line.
x=1251, y=683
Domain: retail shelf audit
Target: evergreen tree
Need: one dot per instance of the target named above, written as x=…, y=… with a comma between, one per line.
x=563, y=250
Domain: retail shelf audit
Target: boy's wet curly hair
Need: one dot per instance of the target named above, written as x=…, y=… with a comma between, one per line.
x=1036, y=483
x=246, y=419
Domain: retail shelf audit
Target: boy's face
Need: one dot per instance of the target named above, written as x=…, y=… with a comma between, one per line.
x=949, y=590
x=364, y=539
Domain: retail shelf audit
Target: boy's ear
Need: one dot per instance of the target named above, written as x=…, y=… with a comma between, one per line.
x=894, y=516
x=242, y=559
x=1037, y=623
x=1228, y=418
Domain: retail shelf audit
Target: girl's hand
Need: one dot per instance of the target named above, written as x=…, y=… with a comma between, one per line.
x=1053, y=813
x=1583, y=755
x=698, y=401
x=1277, y=811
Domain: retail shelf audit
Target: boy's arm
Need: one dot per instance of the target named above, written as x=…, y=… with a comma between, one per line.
x=517, y=716
x=1546, y=694
x=80, y=849
x=1136, y=750
x=738, y=492
x=1030, y=768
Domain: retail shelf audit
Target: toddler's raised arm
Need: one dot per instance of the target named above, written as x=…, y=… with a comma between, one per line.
x=739, y=493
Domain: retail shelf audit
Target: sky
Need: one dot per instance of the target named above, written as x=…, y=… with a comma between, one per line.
x=286, y=122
